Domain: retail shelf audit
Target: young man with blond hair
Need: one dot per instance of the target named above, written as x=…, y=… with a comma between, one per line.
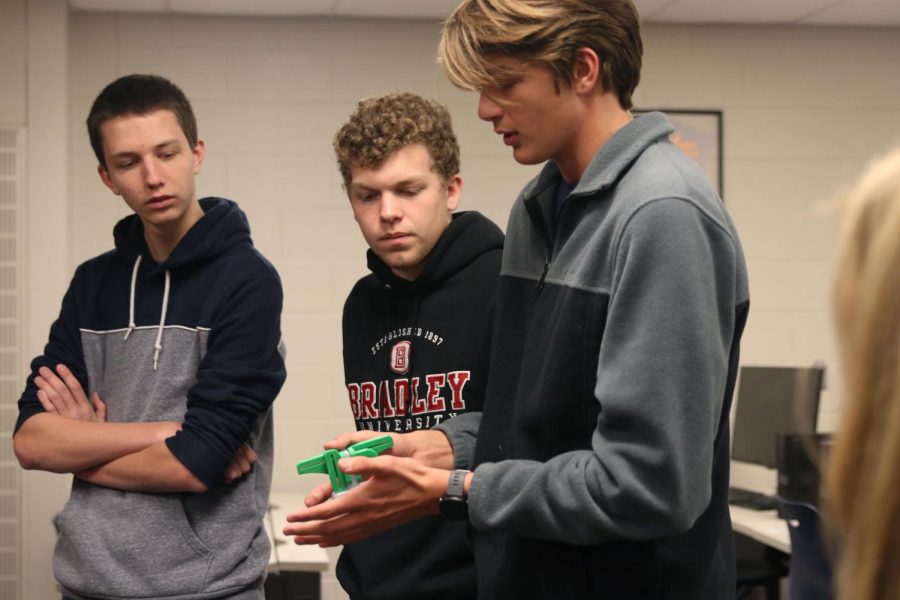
x=599, y=468
x=417, y=329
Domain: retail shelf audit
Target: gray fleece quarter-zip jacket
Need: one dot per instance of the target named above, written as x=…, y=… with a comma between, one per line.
x=601, y=461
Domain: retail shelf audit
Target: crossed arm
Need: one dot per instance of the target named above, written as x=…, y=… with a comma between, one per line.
x=73, y=436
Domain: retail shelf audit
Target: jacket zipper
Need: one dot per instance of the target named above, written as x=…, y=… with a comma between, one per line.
x=540, y=284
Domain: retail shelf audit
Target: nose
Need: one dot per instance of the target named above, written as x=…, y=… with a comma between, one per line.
x=390, y=208
x=488, y=109
x=153, y=175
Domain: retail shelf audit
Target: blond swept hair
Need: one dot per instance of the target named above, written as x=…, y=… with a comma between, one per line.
x=542, y=31
x=382, y=125
x=864, y=466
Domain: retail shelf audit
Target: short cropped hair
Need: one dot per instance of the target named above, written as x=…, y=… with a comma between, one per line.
x=139, y=95
x=542, y=31
x=384, y=124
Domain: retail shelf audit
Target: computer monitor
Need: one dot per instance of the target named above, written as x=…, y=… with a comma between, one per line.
x=773, y=402
x=801, y=462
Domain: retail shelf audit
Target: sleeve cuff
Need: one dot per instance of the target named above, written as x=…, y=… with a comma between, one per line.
x=462, y=432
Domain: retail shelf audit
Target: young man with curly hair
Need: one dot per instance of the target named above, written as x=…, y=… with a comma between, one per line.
x=599, y=467
x=417, y=329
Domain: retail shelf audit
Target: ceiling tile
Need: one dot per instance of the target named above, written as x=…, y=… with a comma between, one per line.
x=120, y=6
x=256, y=8
x=807, y=12
x=858, y=12
x=647, y=9
x=739, y=11
x=396, y=9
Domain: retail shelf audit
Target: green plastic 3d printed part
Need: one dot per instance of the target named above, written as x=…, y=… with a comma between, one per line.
x=327, y=462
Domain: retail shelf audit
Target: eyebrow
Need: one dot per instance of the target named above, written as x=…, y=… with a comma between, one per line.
x=161, y=145
x=415, y=180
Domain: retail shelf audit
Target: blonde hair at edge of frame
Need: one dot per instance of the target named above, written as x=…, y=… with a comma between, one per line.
x=546, y=32
x=864, y=466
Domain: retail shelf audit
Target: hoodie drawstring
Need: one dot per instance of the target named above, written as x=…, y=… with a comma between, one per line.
x=157, y=347
x=134, y=272
x=162, y=323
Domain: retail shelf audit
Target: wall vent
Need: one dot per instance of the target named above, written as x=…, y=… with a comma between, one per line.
x=12, y=156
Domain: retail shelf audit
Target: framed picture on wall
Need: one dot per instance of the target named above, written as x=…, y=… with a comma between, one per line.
x=699, y=134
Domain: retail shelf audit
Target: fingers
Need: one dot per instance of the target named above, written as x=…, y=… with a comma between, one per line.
x=243, y=461
x=72, y=384
x=63, y=391
x=45, y=401
x=323, y=532
x=99, y=408
x=323, y=510
x=55, y=391
x=342, y=528
x=350, y=438
x=249, y=454
x=318, y=495
x=379, y=465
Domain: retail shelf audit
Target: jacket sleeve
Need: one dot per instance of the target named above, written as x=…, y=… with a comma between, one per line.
x=462, y=431
x=63, y=346
x=237, y=380
x=661, y=378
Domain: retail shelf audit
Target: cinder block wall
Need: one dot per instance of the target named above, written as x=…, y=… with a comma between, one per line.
x=804, y=110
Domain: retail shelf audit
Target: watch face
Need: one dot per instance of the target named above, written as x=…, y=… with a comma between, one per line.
x=455, y=509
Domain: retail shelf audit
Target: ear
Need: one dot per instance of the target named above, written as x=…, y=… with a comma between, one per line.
x=107, y=181
x=586, y=71
x=454, y=191
x=199, y=152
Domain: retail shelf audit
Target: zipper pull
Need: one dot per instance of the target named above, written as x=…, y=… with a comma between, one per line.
x=540, y=284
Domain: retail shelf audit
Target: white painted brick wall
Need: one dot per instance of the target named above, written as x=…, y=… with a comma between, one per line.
x=804, y=110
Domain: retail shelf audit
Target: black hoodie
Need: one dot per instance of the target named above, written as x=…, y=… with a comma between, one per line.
x=417, y=353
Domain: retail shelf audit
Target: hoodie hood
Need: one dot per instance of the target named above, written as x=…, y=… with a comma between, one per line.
x=222, y=226
x=469, y=235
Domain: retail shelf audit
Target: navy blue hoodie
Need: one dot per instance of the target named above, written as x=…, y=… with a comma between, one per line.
x=194, y=339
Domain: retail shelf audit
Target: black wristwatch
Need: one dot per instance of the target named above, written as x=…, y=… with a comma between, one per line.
x=453, y=504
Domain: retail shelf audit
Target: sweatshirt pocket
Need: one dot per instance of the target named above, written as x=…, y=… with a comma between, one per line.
x=124, y=544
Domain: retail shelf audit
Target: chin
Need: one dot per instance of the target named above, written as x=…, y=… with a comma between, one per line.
x=523, y=158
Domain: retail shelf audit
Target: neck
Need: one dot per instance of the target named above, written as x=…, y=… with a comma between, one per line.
x=602, y=117
x=161, y=240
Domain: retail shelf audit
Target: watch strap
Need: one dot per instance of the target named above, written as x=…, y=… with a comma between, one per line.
x=456, y=483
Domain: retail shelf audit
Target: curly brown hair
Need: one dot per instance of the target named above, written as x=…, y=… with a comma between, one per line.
x=384, y=124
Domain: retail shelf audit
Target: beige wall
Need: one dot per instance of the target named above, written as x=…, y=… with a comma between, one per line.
x=13, y=65
x=804, y=110
x=33, y=82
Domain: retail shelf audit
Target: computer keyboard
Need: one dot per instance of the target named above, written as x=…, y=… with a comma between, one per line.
x=752, y=500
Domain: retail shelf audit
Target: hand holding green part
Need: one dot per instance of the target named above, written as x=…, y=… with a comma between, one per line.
x=327, y=462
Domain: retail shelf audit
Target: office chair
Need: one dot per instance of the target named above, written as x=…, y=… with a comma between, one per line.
x=758, y=566
x=810, y=570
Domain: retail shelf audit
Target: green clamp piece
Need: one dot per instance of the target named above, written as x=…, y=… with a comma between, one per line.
x=327, y=462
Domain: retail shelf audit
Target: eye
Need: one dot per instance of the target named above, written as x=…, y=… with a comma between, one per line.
x=410, y=192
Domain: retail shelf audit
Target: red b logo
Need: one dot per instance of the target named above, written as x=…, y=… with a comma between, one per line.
x=400, y=357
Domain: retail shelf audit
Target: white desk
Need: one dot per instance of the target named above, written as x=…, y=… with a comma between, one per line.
x=286, y=555
x=764, y=526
